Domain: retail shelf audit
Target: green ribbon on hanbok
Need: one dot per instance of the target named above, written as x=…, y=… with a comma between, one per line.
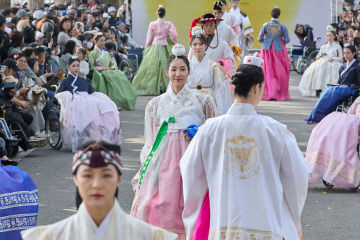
x=159, y=137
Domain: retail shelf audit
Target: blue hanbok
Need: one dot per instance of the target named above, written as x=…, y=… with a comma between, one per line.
x=19, y=202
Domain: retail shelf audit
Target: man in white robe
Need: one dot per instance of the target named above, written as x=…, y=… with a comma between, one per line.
x=255, y=173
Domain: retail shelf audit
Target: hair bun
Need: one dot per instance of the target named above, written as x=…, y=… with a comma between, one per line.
x=178, y=50
x=239, y=77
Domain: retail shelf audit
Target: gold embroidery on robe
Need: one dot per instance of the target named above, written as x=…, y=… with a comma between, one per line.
x=158, y=234
x=273, y=29
x=240, y=233
x=241, y=157
x=332, y=165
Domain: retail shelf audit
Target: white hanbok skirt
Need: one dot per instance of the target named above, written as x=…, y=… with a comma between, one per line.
x=88, y=117
x=318, y=75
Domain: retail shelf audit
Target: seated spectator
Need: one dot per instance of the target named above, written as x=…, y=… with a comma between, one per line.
x=17, y=40
x=76, y=32
x=69, y=51
x=40, y=55
x=64, y=34
x=81, y=53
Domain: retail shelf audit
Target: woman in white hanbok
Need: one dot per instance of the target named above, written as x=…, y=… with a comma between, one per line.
x=250, y=165
x=97, y=175
x=216, y=48
x=207, y=76
x=158, y=185
x=325, y=70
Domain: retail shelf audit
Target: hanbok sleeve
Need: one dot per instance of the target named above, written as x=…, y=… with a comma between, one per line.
x=321, y=52
x=62, y=87
x=194, y=182
x=92, y=60
x=173, y=33
x=222, y=94
x=286, y=35
x=261, y=36
x=294, y=178
x=339, y=54
x=150, y=35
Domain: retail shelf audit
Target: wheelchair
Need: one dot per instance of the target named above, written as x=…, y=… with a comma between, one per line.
x=131, y=63
x=344, y=107
x=301, y=59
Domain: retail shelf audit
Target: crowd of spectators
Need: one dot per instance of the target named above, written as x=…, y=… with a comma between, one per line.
x=35, y=48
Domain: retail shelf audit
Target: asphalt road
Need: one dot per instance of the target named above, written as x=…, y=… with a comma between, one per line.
x=328, y=214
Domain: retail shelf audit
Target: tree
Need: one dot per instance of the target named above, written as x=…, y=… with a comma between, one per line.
x=35, y=4
x=4, y=4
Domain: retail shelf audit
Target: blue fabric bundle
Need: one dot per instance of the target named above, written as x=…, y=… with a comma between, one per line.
x=19, y=202
x=330, y=98
x=191, y=130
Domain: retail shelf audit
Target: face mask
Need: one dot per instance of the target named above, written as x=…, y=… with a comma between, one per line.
x=89, y=45
x=8, y=19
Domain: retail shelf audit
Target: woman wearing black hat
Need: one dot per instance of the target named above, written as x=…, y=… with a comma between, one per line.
x=97, y=175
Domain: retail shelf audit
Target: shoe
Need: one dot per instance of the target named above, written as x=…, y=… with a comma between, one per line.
x=40, y=135
x=119, y=109
x=37, y=142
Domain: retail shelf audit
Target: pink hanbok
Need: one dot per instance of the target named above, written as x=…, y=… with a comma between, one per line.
x=273, y=37
x=277, y=73
x=159, y=198
x=332, y=150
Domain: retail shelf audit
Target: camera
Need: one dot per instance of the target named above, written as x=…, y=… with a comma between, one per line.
x=307, y=28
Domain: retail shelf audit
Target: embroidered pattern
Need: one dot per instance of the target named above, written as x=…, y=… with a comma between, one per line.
x=241, y=157
x=273, y=30
x=239, y=233
x=18, y=222
x=158, y=234
x=332, y=165
x=19, y=199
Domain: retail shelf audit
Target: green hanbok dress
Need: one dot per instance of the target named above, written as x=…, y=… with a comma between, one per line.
x=151, y=77
x=113, y=83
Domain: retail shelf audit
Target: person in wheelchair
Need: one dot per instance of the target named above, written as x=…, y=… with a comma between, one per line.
x=77, y=99
x=325, y=70
x=305, y=35
x=13, y=115
x=347, y=85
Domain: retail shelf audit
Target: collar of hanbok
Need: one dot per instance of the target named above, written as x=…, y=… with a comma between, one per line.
x=70, y=76
x=100, y=231
x=101, y=53
x=176, y=97
x=241, y=109
x=195, y=61
x=331, y=44
x=348, y=66
x=161, y=19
